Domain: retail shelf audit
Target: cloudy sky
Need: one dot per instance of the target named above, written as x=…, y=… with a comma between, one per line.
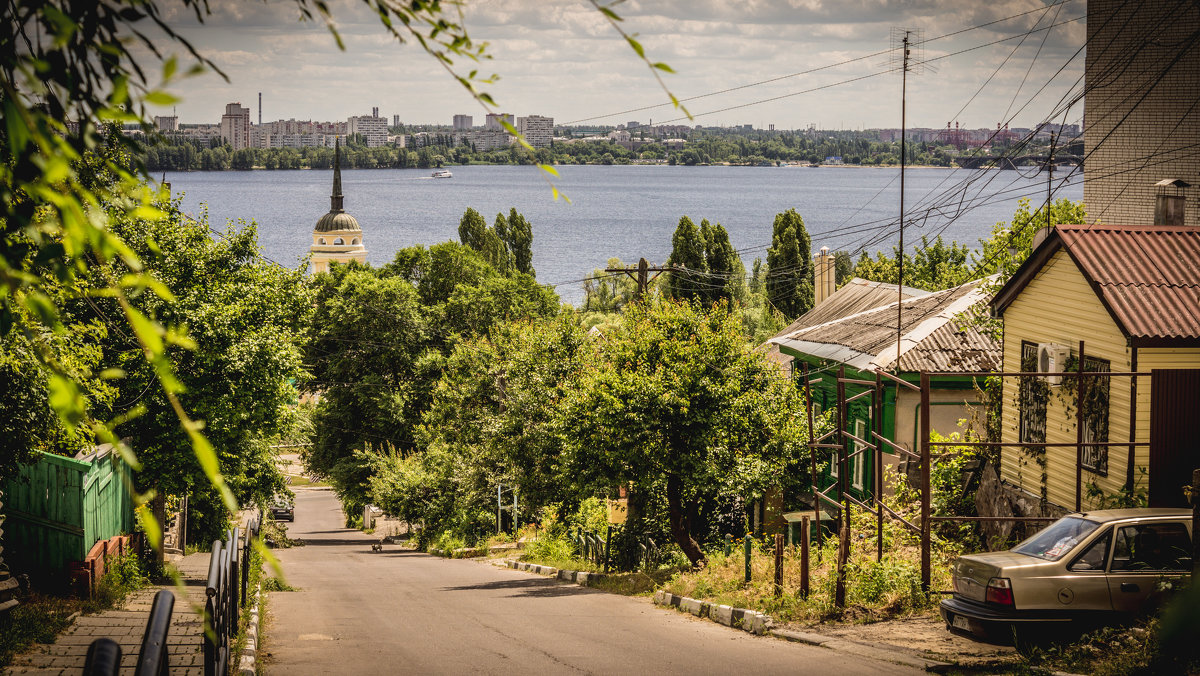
x=560, y=58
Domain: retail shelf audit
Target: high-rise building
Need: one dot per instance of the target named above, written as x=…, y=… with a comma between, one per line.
x=395, y=120
x=372, y=127
x=166, y=122
x=235, y=126
x=492, y=122
x=537, y=130
x=462, y=123
x=1142, y=124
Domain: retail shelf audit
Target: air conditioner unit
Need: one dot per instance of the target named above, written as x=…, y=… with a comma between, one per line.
x=1052, y=358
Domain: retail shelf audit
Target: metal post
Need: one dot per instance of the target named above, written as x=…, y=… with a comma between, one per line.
x=925, y=497
x=812, y=451
x=607, y=544
x=499, y=508
x=804, y=557
x=1080, y=395
x=779, y=564
x=877, y=410
x=728, y=544
x=746, y=547
x=839, y=590
x=1194, y=497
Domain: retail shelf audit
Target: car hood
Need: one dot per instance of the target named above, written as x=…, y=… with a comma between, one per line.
x=972, y=572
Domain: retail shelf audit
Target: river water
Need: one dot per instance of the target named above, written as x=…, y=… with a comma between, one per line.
x=618, y=211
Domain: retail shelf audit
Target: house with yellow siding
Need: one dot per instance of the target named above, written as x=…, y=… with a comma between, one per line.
x=1129, y=296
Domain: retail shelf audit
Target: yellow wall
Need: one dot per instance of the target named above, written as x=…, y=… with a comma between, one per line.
x=1059, y=306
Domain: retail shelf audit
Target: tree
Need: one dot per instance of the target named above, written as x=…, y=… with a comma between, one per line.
x=679, y=400
x=686, y=278
x=789, y=279
x=843, y=267
x=519, y=241
x=724, y=267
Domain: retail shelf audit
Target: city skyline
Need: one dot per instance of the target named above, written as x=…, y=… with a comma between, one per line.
x=565, y=62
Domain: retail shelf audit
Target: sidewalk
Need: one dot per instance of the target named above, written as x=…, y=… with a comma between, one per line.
x=125, y=625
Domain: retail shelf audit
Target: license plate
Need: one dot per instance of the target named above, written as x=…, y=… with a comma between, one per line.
x=960, y=622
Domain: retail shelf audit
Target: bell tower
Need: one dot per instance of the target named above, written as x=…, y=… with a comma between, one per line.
x=337, y=237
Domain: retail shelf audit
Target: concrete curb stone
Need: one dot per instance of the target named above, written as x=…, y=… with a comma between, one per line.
x=250, y=651
x=750, y=621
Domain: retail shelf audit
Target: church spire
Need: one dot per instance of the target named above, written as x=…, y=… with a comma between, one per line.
x=335, y=198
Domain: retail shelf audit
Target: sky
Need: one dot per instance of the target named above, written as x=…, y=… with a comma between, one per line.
x=562, y=59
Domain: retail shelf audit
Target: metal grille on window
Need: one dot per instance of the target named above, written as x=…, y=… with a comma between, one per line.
x=1032, y=398
x=1095, y=416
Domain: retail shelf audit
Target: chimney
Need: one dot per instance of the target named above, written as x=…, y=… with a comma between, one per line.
x=260, y=109
x=824, y=276
x=1170, y=202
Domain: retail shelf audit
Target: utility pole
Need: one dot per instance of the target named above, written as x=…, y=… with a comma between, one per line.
x=906, y=41
x=641, y=275
x=1050, y=181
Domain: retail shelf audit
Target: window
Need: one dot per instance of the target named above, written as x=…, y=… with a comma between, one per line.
x=339, y=241
x=1153, y=547
x=1032, y=397
x=1095, y=556
x=1057, y=539
x=321, y=241
x=833, y=463
x=1095, y=415
x=354, y=241
x=856, y=469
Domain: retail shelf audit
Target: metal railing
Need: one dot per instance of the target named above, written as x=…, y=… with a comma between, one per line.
x=227, y=590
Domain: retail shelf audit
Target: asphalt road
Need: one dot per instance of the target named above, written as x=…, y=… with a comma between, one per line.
x=361, y=612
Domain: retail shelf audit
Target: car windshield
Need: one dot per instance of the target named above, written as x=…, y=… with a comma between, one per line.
x=1060, y=537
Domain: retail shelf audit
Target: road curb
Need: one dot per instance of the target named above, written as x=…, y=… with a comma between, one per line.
x=250, y=652
x=583, y=578
x=750, y=621
x=876, y=651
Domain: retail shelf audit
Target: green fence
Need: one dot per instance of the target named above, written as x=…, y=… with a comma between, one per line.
x=58, y=507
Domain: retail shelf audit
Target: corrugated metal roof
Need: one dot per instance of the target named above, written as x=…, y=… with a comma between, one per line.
x=929, y=338
x=1147, y=275
x=855, y=296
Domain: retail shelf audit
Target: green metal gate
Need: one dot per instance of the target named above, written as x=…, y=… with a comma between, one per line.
x=58, y=507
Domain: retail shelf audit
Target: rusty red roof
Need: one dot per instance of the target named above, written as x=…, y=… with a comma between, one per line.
x=1147, y=276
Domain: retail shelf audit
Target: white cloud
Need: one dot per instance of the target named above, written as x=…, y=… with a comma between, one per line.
x=561, y=58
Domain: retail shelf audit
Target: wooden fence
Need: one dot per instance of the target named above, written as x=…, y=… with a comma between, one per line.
x=58, y=508
x=8, y=584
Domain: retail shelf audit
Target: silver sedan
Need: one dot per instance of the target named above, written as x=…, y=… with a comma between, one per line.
x=1092, y=566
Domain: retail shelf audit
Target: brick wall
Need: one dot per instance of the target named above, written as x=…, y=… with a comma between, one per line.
x=1141, y=126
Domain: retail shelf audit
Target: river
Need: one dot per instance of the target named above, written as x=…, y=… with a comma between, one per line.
x=617, y=211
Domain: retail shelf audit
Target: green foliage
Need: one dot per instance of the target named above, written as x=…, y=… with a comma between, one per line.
x=892, y=582
x=789, y=277
x=679, y=398
x=686, y=279
x=931, y=266
x=843, y=267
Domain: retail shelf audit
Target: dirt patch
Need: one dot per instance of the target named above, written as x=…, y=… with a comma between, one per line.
x=922, y=635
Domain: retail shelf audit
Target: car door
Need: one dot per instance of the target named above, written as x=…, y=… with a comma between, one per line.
x=1085, y=586
x=1146, y=556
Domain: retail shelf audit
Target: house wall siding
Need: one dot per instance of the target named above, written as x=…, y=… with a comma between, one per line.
x=1059, y=306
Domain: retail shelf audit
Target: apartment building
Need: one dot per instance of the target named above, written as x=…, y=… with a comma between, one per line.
x=235, y=126
x=373, y=128
x=537, y=130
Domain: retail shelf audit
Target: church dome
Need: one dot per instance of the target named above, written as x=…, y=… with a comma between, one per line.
x=337, y=221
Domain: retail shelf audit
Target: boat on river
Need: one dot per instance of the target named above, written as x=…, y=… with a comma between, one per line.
x=443, y=173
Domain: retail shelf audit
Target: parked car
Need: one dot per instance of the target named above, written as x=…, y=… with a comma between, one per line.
x=282, y=508
x=1092, y=567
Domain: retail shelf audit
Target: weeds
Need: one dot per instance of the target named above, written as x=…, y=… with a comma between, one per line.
x=39, y=619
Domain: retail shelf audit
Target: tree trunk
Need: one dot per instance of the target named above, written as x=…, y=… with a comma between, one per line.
x=679, y=523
